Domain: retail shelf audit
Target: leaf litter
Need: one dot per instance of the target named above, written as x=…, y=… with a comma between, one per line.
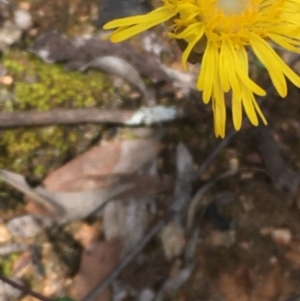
x=115, y=192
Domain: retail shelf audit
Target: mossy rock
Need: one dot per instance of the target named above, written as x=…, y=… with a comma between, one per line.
x=40, y=86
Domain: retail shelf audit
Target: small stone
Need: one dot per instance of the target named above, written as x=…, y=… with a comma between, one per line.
x=24, y=226
x=245, y=245
x=9, y=34
x=266, y=231
x=246, y=175
x=7, y=80
x=83, y=18
x=282, y=237
x=146, y=295
x=5, y=236
x=173, y=240
x=24, y=5
x=23, y=19
x=222, y=238
x=33, y=32
x=234, y=163
x=273, y=260
x=86, y=234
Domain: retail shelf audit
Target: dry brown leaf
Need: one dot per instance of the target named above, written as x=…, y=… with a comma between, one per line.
x=66, y=205
x=246, y=284
x=92, y=179
x=144, y=185
x=97, y=172
x=235, y=286
x=269, y=287
x=112, y=158
x=97, y=161
x=36, y=209
x=96, y=263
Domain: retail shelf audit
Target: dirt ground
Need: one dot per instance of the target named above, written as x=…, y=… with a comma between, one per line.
x=249, y=229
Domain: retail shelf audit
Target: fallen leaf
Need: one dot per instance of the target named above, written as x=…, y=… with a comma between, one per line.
x=269, y=287
x=66, y=206
x=231, y=289
x=96, y=263
x=113, y=158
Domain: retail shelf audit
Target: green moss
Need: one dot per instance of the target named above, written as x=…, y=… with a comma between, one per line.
x=41, y=86
x=7, y=264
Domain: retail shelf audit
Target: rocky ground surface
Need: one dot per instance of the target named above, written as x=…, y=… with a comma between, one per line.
x=96, y=164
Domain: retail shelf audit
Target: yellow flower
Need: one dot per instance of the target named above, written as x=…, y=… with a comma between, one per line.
x=224, y=30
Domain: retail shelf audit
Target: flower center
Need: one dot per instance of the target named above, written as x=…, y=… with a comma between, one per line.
x=232, y=7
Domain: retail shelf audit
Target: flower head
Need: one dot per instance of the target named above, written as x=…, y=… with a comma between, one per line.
x=223, y=30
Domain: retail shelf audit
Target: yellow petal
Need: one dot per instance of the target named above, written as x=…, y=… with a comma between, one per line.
x=233, y=80
x=200, y=30
x=224, y=68
x=208, y=71
x=248, y=103
x=156, y=14
x=219, y=109
x=258, y=110
x=269, y=58
x=241, y=64
x=132, y=26
x=280, y=64
x=236, y=114
x=284, y=42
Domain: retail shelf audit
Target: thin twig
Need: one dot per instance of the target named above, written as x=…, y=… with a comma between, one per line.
x=215, y=152
x=24, y=289
x=57, y=117
x=228, y=138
